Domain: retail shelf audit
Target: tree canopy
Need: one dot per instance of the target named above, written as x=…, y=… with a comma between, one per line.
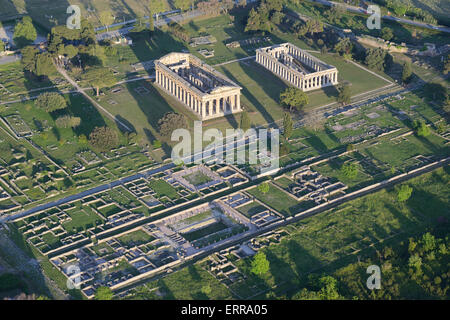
x=345, y=94
x=170, y=122
x=404, y=193
x=100, y=77
x=287, y=125
x=24, y=32
x=350, y=170
x=50, y=101
x=104, y=293
x=294, y=98
x=104, y=139
x=260, y=264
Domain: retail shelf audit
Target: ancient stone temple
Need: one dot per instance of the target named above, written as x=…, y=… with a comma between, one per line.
x=297, y=67
x=197, y=85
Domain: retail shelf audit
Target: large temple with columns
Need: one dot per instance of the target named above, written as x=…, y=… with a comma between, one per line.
x=297, y=67
x=197, y=85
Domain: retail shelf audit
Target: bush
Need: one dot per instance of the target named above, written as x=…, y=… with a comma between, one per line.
x=404, y=193
x=421, y=129
x=68, y=122
x=104, y=139
x=50, y=101
x=170, y=122
x=350, y=170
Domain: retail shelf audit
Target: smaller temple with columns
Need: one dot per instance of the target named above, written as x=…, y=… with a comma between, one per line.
x=197, y=85
x=297, y=67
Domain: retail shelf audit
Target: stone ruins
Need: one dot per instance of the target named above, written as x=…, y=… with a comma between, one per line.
x=197, y=85
x=297, y=67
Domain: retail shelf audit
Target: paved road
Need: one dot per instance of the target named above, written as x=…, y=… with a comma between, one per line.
x=402, y=20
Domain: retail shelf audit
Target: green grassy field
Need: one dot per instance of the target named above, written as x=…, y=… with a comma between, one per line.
x=162, y=188
x=277, y=199
x=339, y=235
x=136, y=237
x=81, y=219
x=55, y=10
x=251, y=209
x=326, y=241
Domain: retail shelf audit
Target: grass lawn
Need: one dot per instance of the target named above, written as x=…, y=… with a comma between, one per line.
x=190, y=283
x=81, y=219
x=136, y=237
x=251, y=209
x=397, y=154
x=197, y=178
x=57, y=10
x=109, y=210
x=277, y=199
x=340, y=233
x=143, y=111
x=102, y=249
x=162, y=188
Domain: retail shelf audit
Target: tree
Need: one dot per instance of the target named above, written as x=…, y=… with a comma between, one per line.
x=245, y=121
x=386, y=33
x=260, y=264
x=344, y=46
x=151, y=21
x=421, y=129
x=294, y=98
x=404, y=193
x=182, y=4
x=428, y=242
x=68, y=122
x=24, y=32
x=170, y=122
x=44, y=65
x=258, y=20
x=328, y=289
x=157, y=6
x=335, y=13
x=104, y=293
x=277, y=17
x=407, y=72
x=350, y=170
x=100, y=77
x=70, y=51
x=264, y=187
x=2, y=45
x=287, y=125
x=103, y=139
x=29, y=57
x=106, y=18
x=313, y=26
x=415, y=262
x=378, y=59
x=50, y=101
x=345, y=95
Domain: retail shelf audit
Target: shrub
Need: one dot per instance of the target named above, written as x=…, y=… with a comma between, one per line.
x=50, y=101
x=104, y=139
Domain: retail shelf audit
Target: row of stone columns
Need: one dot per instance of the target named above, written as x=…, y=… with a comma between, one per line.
x=319, y=81
x=304, y=57
x=298, y=80
x=205, y=108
